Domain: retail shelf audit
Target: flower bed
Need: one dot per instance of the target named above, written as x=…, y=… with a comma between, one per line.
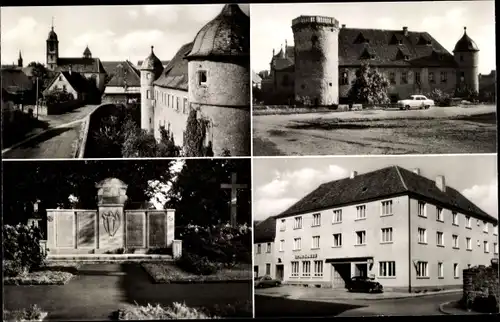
x=39, y=278
x=158, y=312
x=34, y=313
x=170, y=273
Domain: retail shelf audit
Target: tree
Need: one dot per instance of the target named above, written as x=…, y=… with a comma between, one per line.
x=194, y=136
x=369, y=87
x=39, y=70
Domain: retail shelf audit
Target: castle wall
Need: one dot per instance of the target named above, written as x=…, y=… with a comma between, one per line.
x=171, y=111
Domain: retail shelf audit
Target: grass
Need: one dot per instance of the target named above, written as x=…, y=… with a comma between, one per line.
x=40, y=278
x=175, y=312
x=170, y=273
x=34, y=313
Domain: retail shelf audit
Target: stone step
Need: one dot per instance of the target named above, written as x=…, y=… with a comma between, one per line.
x=108, y=258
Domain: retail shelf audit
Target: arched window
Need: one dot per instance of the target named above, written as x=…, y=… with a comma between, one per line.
x=344, y=78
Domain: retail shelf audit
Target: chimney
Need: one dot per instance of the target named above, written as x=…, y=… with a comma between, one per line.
x=440, y=183
x=417, y=171
x=286, y=46
x=353, y=174
x=343, y=25
x=405, y=31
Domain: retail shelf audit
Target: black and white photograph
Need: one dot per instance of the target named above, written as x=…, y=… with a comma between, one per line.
x=127, y=239
x=373, y=78
x=126, y=81
x=371, y=236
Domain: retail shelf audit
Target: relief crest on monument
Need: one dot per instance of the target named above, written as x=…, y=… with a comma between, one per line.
x=111, y=222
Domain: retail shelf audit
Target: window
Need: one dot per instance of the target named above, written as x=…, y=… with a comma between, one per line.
x=268, y=249
x=468, y=222
x=455, y=241
x=337, y=216
x=315, y=242
x=283, y=225
x=404, y=78
x=64, y=88
x=387, y=208
x=306, y=268
x=422, y=236
x=440, y=270
x=468, y=243
x=495, y=248
x=337, y=240
x=422, y=209
x=417, y=77
x=318, y=268
x=297, y=244
x=455, y=218
x=60, y=78
x=361, y=237
x=439, y=214
x=316, y=220
x=485, y=227
x=282, y=245
x=386, y=235
x=456, y=272
x=177, y=104
x=148, y=94
x=462, y=76
x=360, y=212
x=461, y=57
x=439, y=238
x=387, y=269
x=202, y=77
x=298, y=223
x=422, y=269
x=148, y=76
x=444, y=77
x=344, y=80
x=258, y=249
x=486, y=247
x=392, y=78
x=478, y=222
x=185, y=106
x=268, y=269
x=431, y=78
x=295, y=269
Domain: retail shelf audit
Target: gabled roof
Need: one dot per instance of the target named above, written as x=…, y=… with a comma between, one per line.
x=175, y=74
x=80, y=65
x=125, y=74
x=265, y=231
x=110, y=66
x=381, y=184
x=76, y=80
x=14, y=80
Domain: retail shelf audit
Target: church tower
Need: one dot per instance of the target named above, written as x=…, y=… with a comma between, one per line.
x=20, y=60
x=52, y=49
x=87, y=53
x=151, y=69
x=466, y=55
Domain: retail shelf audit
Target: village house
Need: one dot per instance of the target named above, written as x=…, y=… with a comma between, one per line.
x=124, y=85
x=17, y=88
x=323, y=62
x=397, y=226
x=73, y=83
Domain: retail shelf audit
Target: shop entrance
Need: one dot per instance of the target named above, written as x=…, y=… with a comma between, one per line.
x=279, y=272
x=341, y=273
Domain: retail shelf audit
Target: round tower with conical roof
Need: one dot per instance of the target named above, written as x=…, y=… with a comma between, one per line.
x=52, y=49
x=151, y=69
x=466, y=55
x=219, y=79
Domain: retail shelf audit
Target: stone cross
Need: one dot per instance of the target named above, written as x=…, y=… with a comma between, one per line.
x=234, y=195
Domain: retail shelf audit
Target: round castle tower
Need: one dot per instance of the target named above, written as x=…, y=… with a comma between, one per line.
x=219, y=80
x=151, y=69
x=316, y=59
x=466, y=55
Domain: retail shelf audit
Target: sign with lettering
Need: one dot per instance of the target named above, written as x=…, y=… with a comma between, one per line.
x=306, y=256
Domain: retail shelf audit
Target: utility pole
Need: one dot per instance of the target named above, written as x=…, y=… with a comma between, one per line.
x=36, y=97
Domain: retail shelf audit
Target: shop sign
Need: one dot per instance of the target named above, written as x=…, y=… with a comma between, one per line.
x=308, y=256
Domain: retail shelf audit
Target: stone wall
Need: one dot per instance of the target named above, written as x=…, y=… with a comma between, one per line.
x=479, y=283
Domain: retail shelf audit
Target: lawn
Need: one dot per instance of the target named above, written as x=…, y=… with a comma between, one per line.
x=49, y=274
x=170, y=273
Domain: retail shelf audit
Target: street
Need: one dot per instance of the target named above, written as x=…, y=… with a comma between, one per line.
x=437, y=130
x=60, y=140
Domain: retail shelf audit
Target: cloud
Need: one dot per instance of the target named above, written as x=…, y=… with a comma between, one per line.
x=266, y=207
x=386, y=23
x=139, y=40
x=485, y=197
x=450, y=19
x=133, y=13
x=168, y=12
x=25, y=26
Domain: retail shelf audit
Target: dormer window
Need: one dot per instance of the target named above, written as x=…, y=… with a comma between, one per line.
x=367, y=54
x=407, y=57
x=361, y=39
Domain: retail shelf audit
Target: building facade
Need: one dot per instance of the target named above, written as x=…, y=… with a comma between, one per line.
x=320, y=68
x=414, y=233
x=264, y=249
x=211, y=75
x=124, y=86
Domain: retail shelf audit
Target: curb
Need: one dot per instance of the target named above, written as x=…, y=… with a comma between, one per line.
x=205, y=282
x=442, y=310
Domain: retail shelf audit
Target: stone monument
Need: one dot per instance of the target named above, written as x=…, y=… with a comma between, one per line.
x=110, y=229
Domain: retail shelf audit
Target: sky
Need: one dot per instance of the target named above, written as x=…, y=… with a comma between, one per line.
x=444, y=20
x=280, y=182
x=113, y=33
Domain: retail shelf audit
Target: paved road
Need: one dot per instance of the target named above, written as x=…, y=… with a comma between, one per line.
x=99, y=290
x=437, y=130
x=60, y=140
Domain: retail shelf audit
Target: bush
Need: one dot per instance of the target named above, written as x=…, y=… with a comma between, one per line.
x=485, y=304
x=57, y=97
x=13, y=268
x=22, y=246
x=440, y=98
x=196, y=264
x=32, y=314
x=175, y=312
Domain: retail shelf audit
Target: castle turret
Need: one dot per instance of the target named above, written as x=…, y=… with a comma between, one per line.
x=52, y=50
x=20, y=60
x=151, y=69
x=316, y=59
x=466, y=55
x=219, y=79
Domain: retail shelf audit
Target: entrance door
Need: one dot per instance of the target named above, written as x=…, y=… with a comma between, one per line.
x=340, y=273
x=279, y=272
x=361, y=270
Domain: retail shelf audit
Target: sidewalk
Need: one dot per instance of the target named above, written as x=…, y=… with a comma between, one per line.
x=452, y=308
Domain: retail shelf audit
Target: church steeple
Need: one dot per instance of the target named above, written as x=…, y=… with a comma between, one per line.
x=87, y=53
x=52, y=50
x=20, y=60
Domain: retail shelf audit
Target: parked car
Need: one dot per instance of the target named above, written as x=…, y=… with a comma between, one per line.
x=415, y=101
x=266, y=281
x=364, y=284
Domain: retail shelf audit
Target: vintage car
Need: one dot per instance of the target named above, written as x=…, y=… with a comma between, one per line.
x=266, y=281
x=364, y=284
x=415, y=102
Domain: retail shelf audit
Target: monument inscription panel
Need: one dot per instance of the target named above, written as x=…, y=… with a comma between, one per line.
x=86, y=228
x=157, y=231
x=65, y=229
x=135, y=229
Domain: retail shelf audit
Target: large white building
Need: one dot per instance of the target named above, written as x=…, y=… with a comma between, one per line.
x=395, y=225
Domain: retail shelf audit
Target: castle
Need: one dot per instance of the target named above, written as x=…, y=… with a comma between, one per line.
x=211, y=75
x=322, y=65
